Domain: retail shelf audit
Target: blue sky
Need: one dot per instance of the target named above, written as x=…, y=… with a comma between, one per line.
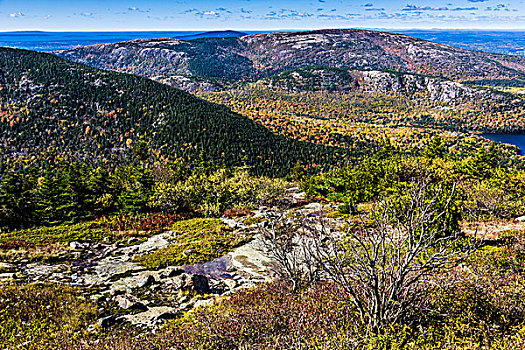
x=75, y=15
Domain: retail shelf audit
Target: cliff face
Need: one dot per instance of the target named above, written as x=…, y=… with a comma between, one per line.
x=341, y=80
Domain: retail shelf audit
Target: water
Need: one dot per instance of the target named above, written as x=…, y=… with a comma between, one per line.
x=50, y=41
x=505, y=42
x=513, y=139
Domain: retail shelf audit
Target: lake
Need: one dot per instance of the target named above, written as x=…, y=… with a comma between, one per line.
x=513, y=139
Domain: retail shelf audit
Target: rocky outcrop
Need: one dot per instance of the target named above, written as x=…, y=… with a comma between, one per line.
x=128, y=292
x=196, y=84
x=343, y=80
x=153, y=317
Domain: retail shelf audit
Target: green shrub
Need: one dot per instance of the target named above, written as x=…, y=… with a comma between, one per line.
x=254, y=220
x=211, y=194
x=502, y=196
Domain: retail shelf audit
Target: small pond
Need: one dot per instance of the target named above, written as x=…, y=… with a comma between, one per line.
x=513, y=139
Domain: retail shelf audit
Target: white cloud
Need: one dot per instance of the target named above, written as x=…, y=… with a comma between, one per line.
x=16, y=14
x=137, y=9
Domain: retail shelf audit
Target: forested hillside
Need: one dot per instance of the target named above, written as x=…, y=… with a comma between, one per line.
x=52, y=109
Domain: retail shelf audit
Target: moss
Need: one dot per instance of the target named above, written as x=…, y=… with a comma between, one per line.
x=336, y=215
x=254, y=220
x=243, y=259
x=62, y=233
x=194, y=241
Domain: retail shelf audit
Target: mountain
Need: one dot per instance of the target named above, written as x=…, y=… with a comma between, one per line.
x=213, y=34
x=52, y=109
x=162, y=58
x=252, y=57
x=342, y=80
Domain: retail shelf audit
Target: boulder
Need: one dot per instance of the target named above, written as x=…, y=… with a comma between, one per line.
x=7, y=276
x=231, y=283
x=117, y=290
x=313, y=207
x=188, y=282
x=201, y=303
x=106, y=321
x=97, y=298
x=111, y=268
x=200, y=284
x=76, y=245
x=132, y=240
x=171, y=271
x=189, y=252
x=129, y=302
x=153, y=317
x=145, y=281
x=5, y=267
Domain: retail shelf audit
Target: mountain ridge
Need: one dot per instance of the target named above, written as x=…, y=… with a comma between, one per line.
x=213, y=34
x=255, y=56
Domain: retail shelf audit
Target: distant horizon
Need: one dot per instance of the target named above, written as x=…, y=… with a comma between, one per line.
x=260, y=30
x=511, y=42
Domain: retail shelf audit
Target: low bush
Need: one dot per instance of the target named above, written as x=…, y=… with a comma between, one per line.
x=212, y=193
x=42, y=316
x=269, y=317
x=237, y=212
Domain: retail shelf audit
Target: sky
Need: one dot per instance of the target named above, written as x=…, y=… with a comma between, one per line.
x=121, y=15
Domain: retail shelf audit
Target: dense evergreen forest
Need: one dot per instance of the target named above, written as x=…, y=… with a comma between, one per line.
x=52, y=109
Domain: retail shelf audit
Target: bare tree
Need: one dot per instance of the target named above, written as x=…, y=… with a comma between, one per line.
x=286, y=241
x=384, y=265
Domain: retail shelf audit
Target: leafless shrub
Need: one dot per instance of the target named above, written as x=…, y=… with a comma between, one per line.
x=384, y=264
x=286, y=241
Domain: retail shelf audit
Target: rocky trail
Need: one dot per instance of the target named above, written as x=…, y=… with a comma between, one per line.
x=145, y=297
x=128, y=292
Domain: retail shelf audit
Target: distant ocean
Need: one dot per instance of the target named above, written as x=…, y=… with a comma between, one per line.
x=506, y=42
x=50, y=41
